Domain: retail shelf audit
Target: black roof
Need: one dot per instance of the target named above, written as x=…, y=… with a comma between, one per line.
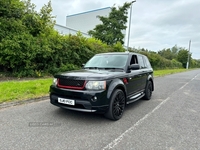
x=119, y=53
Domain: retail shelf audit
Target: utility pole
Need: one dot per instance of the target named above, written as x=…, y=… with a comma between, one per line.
x=129, y=28
x=188, y=56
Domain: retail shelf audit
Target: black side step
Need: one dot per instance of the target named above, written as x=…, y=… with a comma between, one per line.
x=139, y=97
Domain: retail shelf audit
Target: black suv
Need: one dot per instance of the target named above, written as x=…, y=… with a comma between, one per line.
x=106, y=84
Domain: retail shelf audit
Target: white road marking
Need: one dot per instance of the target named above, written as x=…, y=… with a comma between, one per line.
x=189, y=82
x=184, y=85
x=120, y=138
x=195, y=77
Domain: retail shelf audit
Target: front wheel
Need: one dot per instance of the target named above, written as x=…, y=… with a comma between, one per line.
x=148, y=90
x=117, y=105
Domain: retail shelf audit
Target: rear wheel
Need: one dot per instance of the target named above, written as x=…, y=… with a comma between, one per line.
x=148, y=90
x=117, y=105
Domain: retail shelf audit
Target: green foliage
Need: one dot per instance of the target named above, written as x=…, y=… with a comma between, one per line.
x=110, y=31
x=11, y=9
x=166, y=53
x=21, y=90
x=30, y=47
x=159, y=62
x=118, y=47
x=170, y=53
x=183, y=57
x=180, y=55
x=97, y=46
x=167, y=71
x=176, y=64
x=63, y=68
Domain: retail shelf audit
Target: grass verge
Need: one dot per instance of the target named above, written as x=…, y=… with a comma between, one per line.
x=158, y=73
x=20, y=90
x=29, y=89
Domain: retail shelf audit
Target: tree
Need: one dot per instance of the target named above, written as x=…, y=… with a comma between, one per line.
x=175, y=50
x=110, y=31
x=169, y=53
x=183, y=57
x=166, y=53
x=47, y=20
x=24, y=36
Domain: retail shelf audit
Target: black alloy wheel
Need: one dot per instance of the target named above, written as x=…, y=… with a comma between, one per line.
x=148, y=91
x=117, y=105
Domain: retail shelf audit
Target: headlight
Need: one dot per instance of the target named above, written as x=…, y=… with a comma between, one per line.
x=55, y=81
x=96, y=85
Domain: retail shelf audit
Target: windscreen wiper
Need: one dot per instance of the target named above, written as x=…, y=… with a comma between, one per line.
x=103, y=68
x=112, y=68
x=91, y=67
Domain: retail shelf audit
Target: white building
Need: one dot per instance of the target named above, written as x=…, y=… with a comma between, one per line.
x=87, y=20
x=83, y=22
x=66, y=30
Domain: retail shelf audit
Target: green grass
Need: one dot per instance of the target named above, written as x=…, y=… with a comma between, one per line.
x=20, y=90
x=166, y=72
x=28, y=89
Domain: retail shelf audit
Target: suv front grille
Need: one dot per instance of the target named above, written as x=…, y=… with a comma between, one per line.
x=71, y=84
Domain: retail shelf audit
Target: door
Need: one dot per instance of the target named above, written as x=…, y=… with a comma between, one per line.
x=134, y=78
x=143, y=72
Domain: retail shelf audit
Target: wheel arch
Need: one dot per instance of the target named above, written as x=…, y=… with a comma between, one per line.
x=150, y=78
x=116, y=84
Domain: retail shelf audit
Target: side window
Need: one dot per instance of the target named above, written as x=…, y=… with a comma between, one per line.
x=134, y=60
x=141, y=62
x=147, y=63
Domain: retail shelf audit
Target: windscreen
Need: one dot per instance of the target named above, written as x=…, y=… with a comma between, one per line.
x=107, y=61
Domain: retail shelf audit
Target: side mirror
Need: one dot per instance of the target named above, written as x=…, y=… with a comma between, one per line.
x=83, y=65
x=134, y=67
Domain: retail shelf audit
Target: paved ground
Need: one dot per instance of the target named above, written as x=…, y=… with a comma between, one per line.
x=171, y=121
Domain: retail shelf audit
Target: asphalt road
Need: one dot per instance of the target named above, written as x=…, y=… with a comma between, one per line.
x=169, y=121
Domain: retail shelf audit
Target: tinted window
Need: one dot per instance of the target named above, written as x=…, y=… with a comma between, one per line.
x=107, y=61
x=147, y=62
x=134, y=60
x=141, y=62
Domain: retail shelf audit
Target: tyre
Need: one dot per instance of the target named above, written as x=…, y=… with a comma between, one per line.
x=117, y=105
x=148, y=91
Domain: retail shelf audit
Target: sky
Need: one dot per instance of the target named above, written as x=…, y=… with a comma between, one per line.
x=155, y=24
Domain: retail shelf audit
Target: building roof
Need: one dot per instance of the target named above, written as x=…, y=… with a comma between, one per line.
x=88, y=12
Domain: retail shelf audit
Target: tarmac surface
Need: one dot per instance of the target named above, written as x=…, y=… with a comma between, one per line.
x=169, y=121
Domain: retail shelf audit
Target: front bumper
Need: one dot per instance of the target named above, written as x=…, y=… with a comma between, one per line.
x=84, y=100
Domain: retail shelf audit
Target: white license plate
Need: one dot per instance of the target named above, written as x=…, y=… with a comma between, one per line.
x=66, y=101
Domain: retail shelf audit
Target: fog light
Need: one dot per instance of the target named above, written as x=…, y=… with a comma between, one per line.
x=94, y=99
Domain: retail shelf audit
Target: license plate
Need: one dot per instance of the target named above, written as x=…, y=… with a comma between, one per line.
x=66, y=101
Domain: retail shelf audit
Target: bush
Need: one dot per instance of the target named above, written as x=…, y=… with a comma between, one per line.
x=30, y=47
x=159, y=62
